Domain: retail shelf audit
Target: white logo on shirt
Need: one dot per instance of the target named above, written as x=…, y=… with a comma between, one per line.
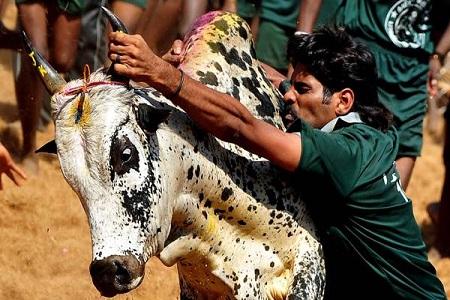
x=407, y=23
x=396, y=179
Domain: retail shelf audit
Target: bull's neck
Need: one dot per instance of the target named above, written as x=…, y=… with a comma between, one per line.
x=222, y=215
x=220, y=190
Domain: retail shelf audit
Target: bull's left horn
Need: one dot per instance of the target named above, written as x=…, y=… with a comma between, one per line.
x=52, y=80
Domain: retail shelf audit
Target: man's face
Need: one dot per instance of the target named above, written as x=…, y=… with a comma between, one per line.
x=306, y=98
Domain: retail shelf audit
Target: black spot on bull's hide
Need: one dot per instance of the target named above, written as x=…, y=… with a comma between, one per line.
x=246, y=57
x=265, y=108
x=226, y=193
x=242, y=32
x=232, y=57
x=190, y=172
x=222, y=25
x=208, y=78
x=137, y=205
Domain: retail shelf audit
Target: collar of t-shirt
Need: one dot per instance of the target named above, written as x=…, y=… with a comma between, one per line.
x=350, y=118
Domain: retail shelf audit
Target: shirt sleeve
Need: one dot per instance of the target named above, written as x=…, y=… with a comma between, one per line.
x=337, y=156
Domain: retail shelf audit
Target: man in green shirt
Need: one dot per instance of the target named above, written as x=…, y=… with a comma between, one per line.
x=338, y=149
x=398, y=32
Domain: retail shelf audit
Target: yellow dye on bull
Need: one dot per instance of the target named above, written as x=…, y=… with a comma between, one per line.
x=80, y=111
x=211, y=226
x=231, y=22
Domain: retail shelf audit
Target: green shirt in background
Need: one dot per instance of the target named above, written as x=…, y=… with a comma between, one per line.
x=284, y=12
x=71, y=7
x=398, y=32
x=372, y=244
x=278, y=21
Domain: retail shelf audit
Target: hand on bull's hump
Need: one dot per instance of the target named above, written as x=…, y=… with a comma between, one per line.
x=134, y=59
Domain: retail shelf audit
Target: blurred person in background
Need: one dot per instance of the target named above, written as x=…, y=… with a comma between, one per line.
x=9, y=39
x=439, y=94
x=160, y=22
x=398, y=32
x=53, y=27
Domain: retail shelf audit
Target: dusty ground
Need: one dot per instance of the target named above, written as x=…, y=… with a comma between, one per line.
x=45, y=246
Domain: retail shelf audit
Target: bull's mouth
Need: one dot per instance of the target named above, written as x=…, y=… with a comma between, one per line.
x=116, y=274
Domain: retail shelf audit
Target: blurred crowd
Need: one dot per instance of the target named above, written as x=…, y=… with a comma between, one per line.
x=73, y=33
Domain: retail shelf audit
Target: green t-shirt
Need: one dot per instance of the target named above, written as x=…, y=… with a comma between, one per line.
x=399, y=25
x=398, y=32
x=283, y=13
x=373, y=246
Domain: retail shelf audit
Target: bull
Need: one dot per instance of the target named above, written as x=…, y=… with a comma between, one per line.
x=153, y=184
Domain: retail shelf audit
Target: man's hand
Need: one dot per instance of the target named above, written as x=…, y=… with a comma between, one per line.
x=174, y=56
x=8, y=167
x=133, y=58
x=435, y=66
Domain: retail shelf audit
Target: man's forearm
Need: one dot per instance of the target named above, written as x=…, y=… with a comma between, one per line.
x=216, y=112
x=443, y=46
x=309, y=10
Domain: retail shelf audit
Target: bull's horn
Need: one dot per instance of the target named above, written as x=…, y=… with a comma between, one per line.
x=52, y=80
x=116, y=25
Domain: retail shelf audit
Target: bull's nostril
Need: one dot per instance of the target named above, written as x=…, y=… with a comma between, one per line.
x=123, y=276
x=116, y=274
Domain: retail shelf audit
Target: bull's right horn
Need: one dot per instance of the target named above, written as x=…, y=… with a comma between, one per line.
x=116, y=25
x=52, y=80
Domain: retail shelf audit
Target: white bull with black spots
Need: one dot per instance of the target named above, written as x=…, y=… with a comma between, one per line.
x=153, y=184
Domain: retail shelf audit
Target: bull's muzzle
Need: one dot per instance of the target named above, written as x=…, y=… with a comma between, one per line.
x=116, y=274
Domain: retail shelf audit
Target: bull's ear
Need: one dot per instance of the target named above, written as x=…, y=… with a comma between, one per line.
x=49, y=147
x=149, y=117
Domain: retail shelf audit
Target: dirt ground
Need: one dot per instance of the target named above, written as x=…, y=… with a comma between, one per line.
x=45, y=247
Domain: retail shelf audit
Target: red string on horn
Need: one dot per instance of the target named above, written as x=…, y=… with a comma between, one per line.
x=84, y=88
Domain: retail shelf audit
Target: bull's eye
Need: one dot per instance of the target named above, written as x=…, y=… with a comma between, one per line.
x=124, y=156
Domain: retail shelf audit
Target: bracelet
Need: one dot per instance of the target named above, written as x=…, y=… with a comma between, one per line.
x=180, y=85
x=300, y=33
x=284, y=86
x=438, y=56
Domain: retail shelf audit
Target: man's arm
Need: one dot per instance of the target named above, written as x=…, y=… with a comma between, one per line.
x=230, y=5
x=8, y=167
x=215, y=112
x=442, y=47
x=309, y=10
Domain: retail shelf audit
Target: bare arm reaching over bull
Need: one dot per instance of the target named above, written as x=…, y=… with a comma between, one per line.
x=215, y=112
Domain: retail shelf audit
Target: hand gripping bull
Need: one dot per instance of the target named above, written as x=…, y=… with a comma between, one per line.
x=153, y=184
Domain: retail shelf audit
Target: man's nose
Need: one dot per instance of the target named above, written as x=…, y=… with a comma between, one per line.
x=289, y=97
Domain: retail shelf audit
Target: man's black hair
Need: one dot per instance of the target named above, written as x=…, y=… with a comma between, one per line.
x=338, y=62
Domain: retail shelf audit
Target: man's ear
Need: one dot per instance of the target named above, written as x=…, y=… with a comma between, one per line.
x=346, y=98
